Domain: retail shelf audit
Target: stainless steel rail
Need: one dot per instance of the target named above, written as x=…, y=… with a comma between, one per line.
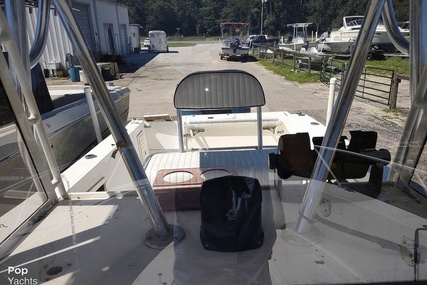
x=108, y=109
x=396, y=37
x=413, y=140
x=23, y=87
x=42, y=28
x=339, y=116
x=15, y=13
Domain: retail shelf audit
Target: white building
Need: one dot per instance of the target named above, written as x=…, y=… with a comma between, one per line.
x=104, y=25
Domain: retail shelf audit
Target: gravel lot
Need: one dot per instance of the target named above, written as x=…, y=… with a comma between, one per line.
x=152, y=79
x=152, y=86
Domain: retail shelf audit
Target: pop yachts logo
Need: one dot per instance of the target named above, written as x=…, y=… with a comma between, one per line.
x=18, y=276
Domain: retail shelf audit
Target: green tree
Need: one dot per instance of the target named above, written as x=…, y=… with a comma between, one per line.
x=203, y=17
x=162, y=16
x=187, y=15
x=209, y=19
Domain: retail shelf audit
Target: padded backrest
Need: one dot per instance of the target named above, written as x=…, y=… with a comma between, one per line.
x=295, y=152
x=218, y=90
x=215, y=90
x=362, y=140
x=317, y=142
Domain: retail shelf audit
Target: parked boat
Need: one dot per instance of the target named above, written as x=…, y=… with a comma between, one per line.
x=247, y=198
x=351, y=28
x=299, y=38
x=334, y=44
x=232, y=48
x=72, y=121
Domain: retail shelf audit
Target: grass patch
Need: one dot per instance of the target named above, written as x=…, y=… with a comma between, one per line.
x=395, y=114
x=186, y=39
x=399, y=63
x=287, y=72
x=180, y=44
x=393, y=63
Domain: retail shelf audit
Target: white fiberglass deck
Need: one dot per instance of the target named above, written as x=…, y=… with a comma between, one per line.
x=101, y=241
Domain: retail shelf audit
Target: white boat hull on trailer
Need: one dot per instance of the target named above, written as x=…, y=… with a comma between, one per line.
x=299, y=38
x=233, y=49
x=338, y=47
x=351, y=28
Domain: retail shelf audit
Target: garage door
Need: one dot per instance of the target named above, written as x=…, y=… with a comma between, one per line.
x=123, y=39
x=81, y=12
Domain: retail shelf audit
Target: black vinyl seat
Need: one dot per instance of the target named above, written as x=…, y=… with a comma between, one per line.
x=296, y=157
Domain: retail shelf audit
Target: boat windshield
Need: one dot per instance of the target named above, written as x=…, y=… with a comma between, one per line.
x=217, y=172
x=353, y=21
x=19, y=195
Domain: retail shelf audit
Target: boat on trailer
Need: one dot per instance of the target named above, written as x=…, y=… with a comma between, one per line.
x=351, y=28
x=165, y=201
x=232, y=48
x=331, y=44
x=298, y=39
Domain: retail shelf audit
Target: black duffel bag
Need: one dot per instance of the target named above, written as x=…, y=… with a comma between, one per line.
x=231, y=214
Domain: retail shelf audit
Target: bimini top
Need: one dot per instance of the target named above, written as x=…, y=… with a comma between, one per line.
x=218, y=90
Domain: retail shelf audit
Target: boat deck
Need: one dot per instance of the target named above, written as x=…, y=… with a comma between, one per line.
x=101, y=241
x=70, y=245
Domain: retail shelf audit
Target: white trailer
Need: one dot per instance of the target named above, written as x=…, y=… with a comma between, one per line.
x=158, y=41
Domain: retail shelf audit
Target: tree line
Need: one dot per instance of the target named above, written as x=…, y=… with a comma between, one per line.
x=203, y=17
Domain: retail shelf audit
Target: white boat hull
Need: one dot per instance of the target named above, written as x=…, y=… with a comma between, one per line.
x=339, y=47
x=70, y=132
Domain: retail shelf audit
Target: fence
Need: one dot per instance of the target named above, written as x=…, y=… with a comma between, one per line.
x=299, y=62
x=375, y=84
x=378, y=85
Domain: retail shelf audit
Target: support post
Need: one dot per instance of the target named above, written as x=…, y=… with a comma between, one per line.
x=93, y=115
x=313, y=194
x=331, y=98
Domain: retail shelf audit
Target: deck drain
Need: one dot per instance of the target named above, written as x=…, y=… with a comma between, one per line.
x=54, y=270
x=90, y=156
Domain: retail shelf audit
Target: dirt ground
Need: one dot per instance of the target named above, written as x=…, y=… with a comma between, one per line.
x=152, y=79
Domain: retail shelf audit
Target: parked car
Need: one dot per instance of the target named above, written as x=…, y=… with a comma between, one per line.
x=249, y=39
x=147, y=42
x=263, y=39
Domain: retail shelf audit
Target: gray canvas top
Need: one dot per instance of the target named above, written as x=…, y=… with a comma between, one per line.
x=219, y=89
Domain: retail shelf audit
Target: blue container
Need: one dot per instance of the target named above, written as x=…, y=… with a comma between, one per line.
x=74, y=74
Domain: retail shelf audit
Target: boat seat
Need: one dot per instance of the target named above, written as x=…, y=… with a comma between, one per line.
x=210, y=91
x=296, y=157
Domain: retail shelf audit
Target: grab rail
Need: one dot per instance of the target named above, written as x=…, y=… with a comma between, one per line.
x=158, y=222
x=34, y=117
x=41, y=32
x=396, y=37
x=313, y=194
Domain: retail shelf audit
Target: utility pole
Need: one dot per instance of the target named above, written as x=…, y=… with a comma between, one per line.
x=262, y=14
